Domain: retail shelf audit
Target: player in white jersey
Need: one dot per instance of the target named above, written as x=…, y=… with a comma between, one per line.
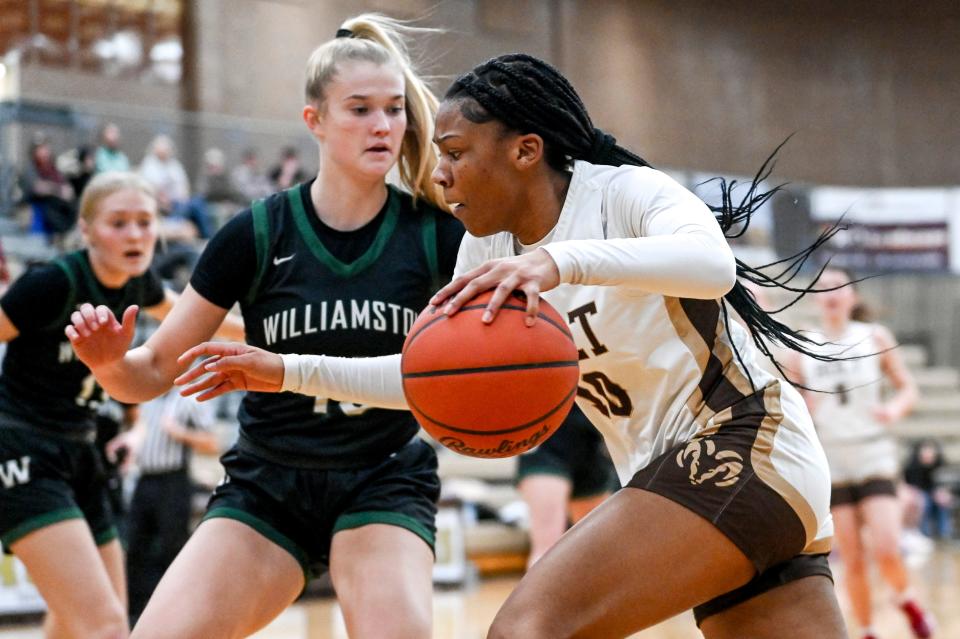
x=852, y=420
x=727, y=505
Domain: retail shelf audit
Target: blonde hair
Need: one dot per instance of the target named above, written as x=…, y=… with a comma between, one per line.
x=105, y=184
x=378, y=39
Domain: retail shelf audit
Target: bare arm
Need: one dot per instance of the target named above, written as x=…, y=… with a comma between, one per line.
x=893, y=366
x=202, y=441
x=145, y=372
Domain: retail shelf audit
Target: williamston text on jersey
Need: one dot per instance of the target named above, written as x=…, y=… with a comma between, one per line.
x=384, y=317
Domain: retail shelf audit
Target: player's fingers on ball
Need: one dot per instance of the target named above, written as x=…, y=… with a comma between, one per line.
x=467, y=293
x=500, y=295
x=71, y=333
x=532, y=292
x=448, y=291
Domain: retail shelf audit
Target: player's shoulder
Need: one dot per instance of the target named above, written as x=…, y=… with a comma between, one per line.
x=45, y=279
x=616, y=178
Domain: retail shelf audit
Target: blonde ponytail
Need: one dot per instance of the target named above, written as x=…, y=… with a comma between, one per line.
x=376, y=38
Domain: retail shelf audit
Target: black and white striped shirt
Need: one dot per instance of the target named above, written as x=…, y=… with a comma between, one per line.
x=160, y=452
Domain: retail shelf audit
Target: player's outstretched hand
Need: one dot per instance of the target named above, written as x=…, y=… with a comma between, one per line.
x=231, y=366
x=530, y=274
x=96, y=335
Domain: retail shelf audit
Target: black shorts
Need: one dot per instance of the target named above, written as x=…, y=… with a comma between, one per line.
x=301, y=509
x=714, y=477
x=576, y=452
x=791, y=570
x=46, y=478
x=841, y=494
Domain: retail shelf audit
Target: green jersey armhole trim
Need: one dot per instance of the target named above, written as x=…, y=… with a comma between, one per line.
x=64, y=316
x=261, y=239
x=428, y=230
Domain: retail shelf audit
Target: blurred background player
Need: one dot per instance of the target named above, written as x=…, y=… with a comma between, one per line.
x=563, y=479
x=853, y=420
x=55, y=512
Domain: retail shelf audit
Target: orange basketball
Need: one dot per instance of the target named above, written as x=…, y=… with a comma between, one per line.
x=490, y=390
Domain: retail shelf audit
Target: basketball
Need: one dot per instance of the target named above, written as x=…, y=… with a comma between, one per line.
x=490, y=390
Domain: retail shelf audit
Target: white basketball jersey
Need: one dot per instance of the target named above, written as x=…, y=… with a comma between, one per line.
x=655, y=370
x=843, y=413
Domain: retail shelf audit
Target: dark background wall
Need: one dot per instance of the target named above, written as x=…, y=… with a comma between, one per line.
x=870, y=88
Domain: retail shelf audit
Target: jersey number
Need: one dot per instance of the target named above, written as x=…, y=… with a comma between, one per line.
x=606, y=395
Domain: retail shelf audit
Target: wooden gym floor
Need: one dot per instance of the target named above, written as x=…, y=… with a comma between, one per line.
x=466, y=614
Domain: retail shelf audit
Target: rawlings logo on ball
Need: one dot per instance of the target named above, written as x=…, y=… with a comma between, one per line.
x=506, y=448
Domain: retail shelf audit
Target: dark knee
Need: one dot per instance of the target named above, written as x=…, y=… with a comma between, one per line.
x=522, y=625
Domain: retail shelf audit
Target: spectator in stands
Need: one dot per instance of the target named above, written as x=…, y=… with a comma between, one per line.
x=925, y=458
x=215, y=193
x=161, y=168
x=83, y=169
x=214, y=184
x=248, y=180
x=288, y=172
x=46, y=190
x=109, y=157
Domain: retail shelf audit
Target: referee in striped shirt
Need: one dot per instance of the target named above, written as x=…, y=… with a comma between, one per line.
x=159, y=518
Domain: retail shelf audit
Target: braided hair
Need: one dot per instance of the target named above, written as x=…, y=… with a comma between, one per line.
x=527, y=95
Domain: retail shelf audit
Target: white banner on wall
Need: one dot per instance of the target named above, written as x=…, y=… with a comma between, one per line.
x=914, y=230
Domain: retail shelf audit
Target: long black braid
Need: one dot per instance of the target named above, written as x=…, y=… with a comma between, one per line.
x=527, y=95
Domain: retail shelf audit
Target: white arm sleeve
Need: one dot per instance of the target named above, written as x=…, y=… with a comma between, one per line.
x=373, y=381
x=674, y=245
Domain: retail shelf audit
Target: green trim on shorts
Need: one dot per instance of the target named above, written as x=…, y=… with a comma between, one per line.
x=105, y=537
x=38, y=522
x=267, y=531
x=356, y=520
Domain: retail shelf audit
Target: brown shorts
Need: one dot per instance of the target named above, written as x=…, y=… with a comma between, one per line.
x=713, y=476
x=855, y=493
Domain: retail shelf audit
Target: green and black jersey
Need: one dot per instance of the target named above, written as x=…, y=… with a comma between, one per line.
x=304, y=287
x=43, y=384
